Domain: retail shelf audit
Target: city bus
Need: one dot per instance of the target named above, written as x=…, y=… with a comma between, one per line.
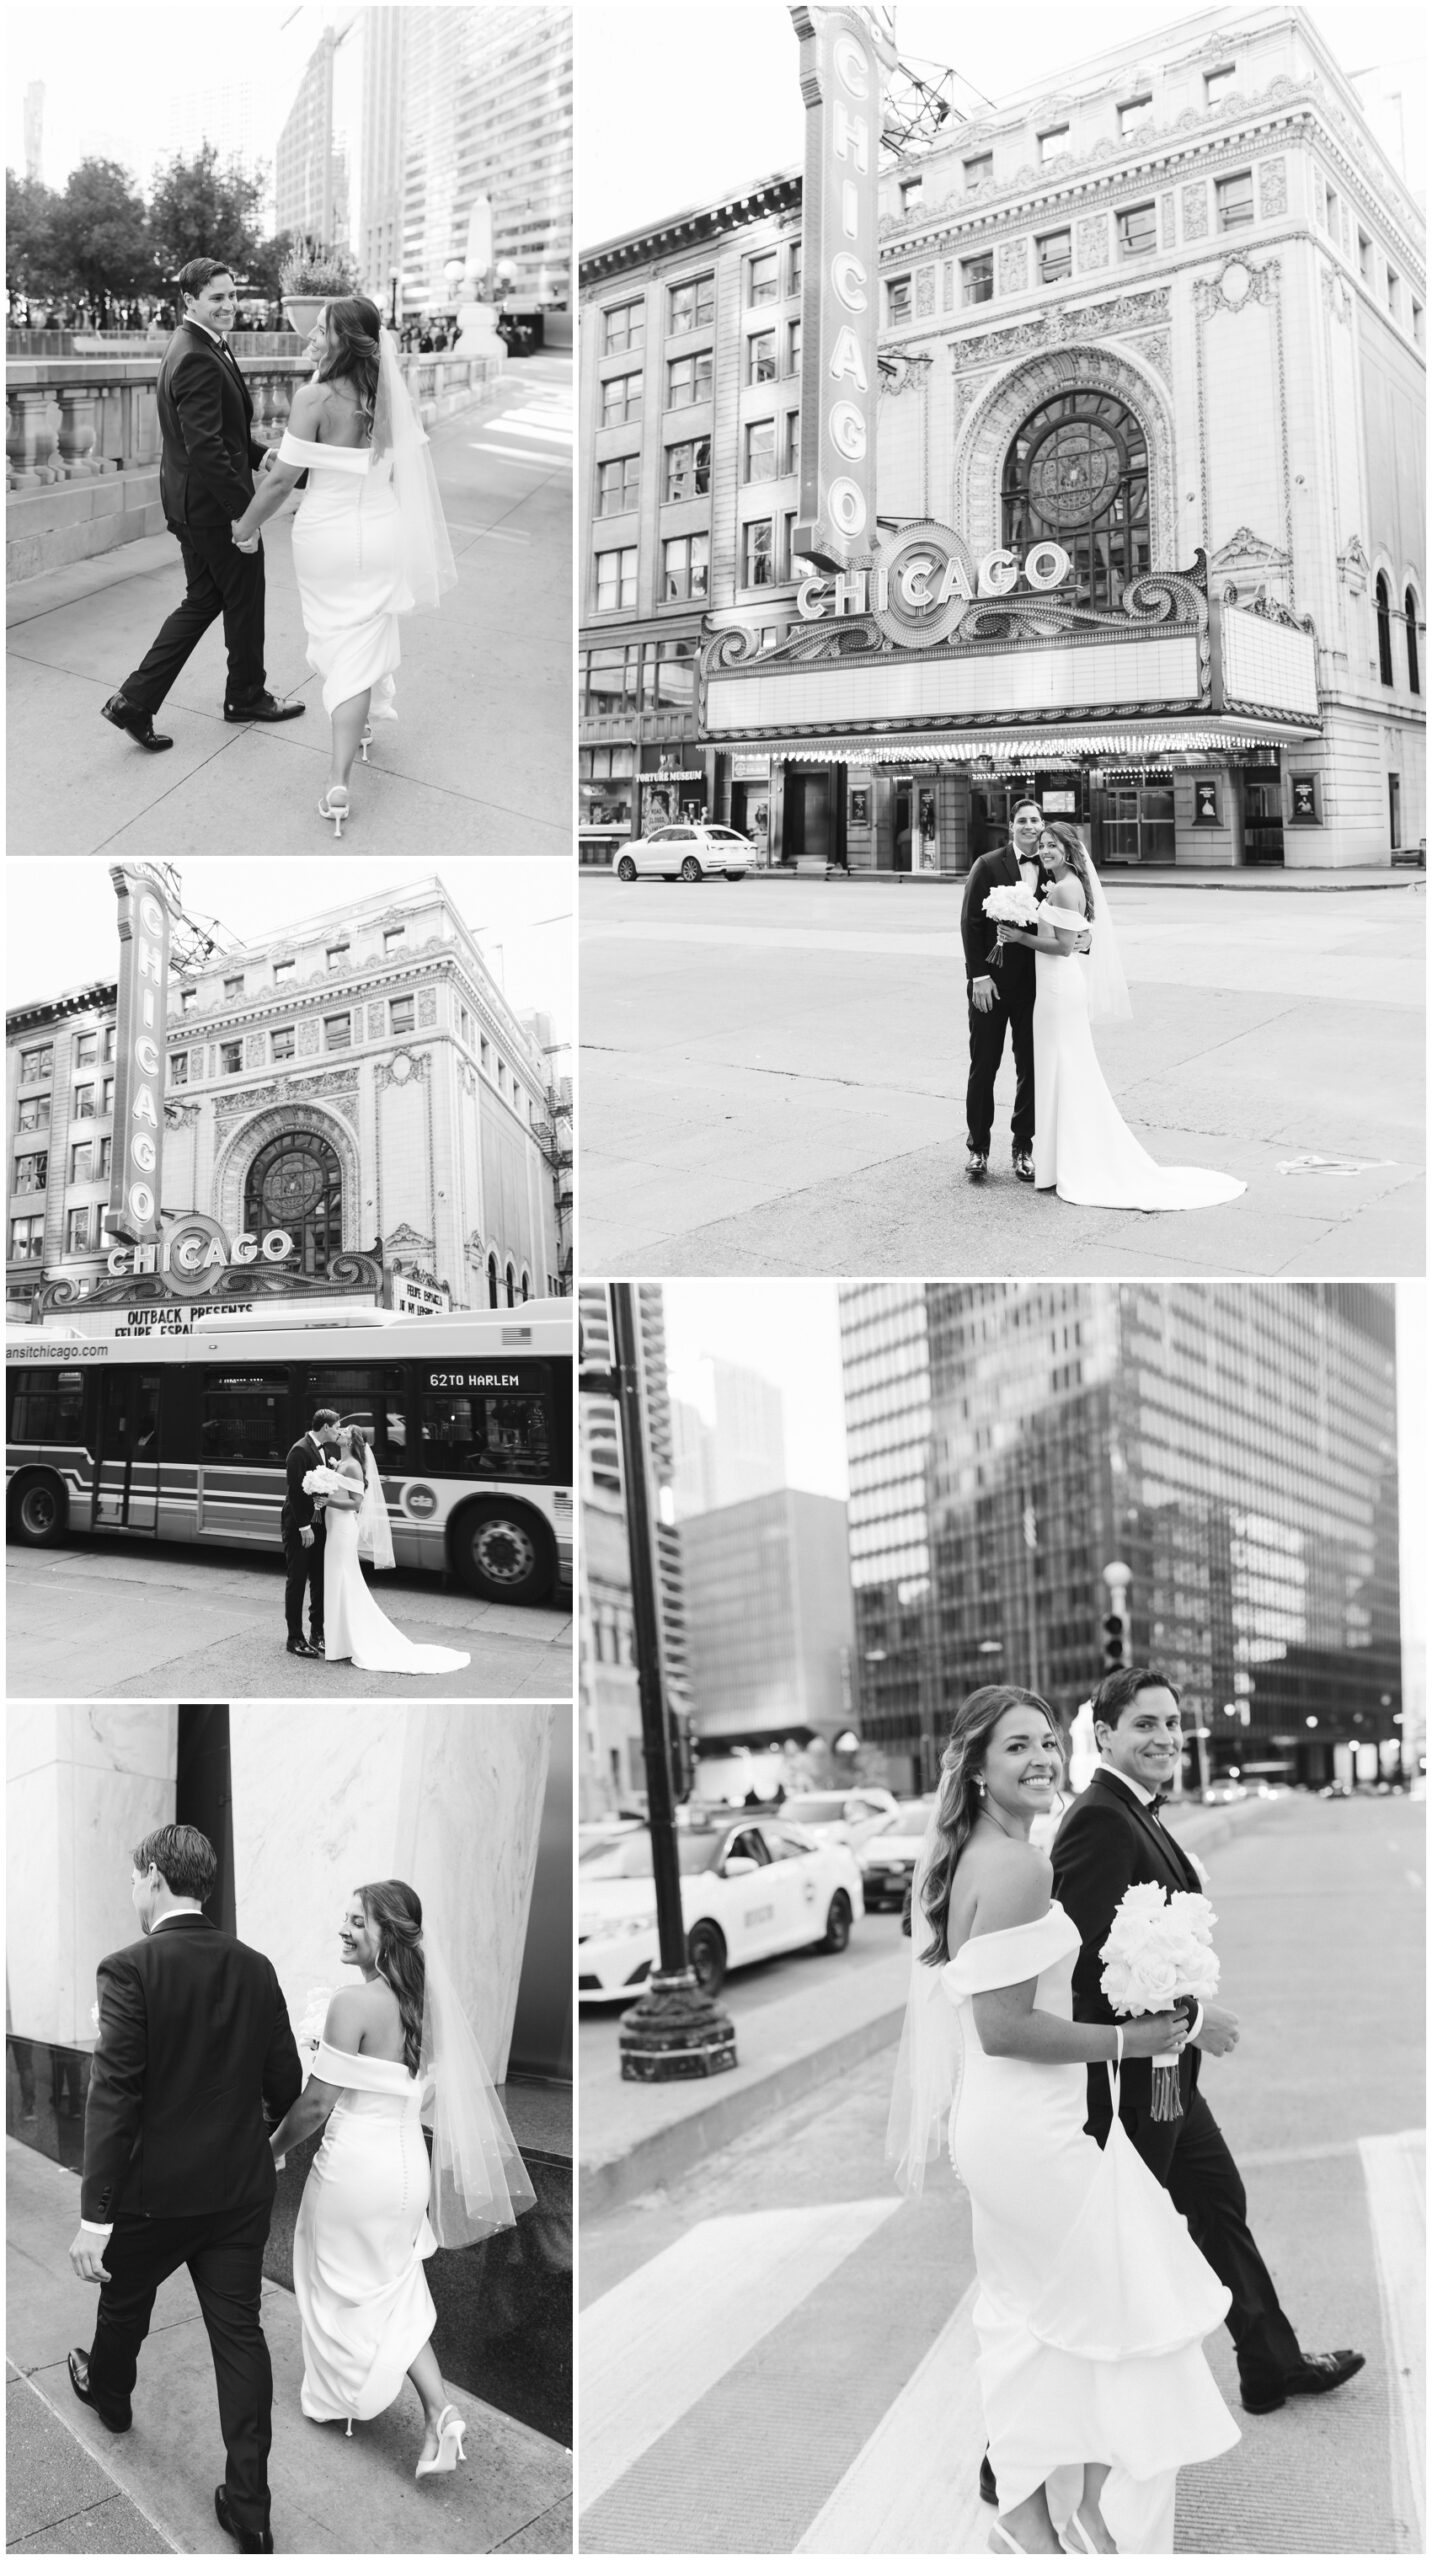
x=184, y=1433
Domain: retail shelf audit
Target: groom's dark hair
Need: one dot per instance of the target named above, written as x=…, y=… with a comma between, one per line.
x=327, y=1417
x=1122, y=1687
x=184, y=1859
x=201, y=271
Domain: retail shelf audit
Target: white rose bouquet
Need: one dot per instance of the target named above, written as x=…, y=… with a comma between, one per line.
x=320, y=1480
x=1158, y=1952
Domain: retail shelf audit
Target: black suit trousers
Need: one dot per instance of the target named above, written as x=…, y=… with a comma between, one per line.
x=224, y=2253
x=303, y=1571
x=221, y=580
x=1012, y=1013
x=1189, y=2157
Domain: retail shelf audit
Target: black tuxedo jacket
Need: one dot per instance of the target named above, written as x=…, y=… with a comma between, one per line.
x=206, y=421
x=1014, y=976
x=194, y=2046
x=298, y=1506
x=1106, y=1842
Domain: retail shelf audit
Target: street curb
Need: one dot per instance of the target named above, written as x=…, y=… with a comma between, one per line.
x=1283, y=883
x=669, y=2154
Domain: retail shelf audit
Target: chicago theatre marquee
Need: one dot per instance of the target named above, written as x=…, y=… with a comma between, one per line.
x=347, y=1111
x=1078, y=454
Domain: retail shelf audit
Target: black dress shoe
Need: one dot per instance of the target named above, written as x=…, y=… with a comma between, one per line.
x=976, y=1165
x=245, y=2541
x=264, y=709
x=1316, y=2374
x=1023, y=1165
x=78, y=2363
x=137, y=724
x=988, y=2491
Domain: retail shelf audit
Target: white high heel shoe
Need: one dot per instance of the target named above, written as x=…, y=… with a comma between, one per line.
x=365, y=742
x=452, y=2431
x=1080, y=2541
x=334, y=805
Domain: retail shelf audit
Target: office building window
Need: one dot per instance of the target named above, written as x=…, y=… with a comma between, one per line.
x=338, y=1031
x=1053, y=143
x=102, y=1163
x=1384, y=629
x=685, y=566
x=757, y=555
x=1409, y=615
x=401, y=1016
x=1234, y=200
x=281, y=1044
x=791, y=443
x=1216, y=84
x=616, y=580
x=37, y=1066
x=32, y=1172
x=979, y=170
x=84, y=1102
x=610, y=680
x=1055, y=253
x=27, y=1239
x=910, y=190
x=761, y=356
x=179, y=1067
x=233, y=990
x=188, y=998
x=688, y=469
x=977, y=278
x=670, y=675
x=759, y=461
x=693, y=305
x=35, y=1112
x=899, y=301
x=688, y=379
x=282, y=970
x=793, y=282
x=618, y=485
x=621, y=399
x=77, y=1230
x=763, y=279
x=81, y=1160
x=793, y=346
x=107, y=1096
x=1138, y=231
x=86, y=1049
x=1393, y=282
x=625, y=328
x=1135, y=113
x=231, y=1057
x=337, y=955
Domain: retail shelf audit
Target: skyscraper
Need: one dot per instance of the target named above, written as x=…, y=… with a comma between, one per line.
x=766, y=1595
x=1234, y=1447
x=740, y=1453
x=611, y=1767
x=310, y=167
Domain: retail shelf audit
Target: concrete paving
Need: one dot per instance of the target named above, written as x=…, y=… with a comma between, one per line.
x=479, y=760
x=773, y=1082
x=145, y=1621
x=71, y=2486
x=847, y=2419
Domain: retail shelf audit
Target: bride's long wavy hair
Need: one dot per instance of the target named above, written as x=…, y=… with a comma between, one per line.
x=352, y=356
x=960, y=1767
x=393, y=1909
x=1071, y=845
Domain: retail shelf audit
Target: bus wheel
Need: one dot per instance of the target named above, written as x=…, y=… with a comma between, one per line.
x=503, y=1552
x=38, y=1512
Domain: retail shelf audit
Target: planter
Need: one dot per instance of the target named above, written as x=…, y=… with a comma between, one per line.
x=303, y=309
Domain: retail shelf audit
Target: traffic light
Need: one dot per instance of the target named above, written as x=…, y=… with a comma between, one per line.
x=1116, y=1633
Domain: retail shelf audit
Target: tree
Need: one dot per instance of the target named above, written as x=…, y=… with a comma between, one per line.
x=265, y=260
x=31, y=266
x=101, y=234
x=200, y=210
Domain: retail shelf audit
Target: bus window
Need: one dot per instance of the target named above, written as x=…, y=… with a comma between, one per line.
x=485, y=1435
x=243, y=1418
x=373, y=1399
x=47, y=1407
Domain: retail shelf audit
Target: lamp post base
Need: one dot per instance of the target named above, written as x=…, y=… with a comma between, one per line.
x=675, y=2032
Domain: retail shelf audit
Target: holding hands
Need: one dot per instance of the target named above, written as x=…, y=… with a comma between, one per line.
x=252, y=542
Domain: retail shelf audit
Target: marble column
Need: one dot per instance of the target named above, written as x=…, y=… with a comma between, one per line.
x=83, y=1786
x=446, y=1797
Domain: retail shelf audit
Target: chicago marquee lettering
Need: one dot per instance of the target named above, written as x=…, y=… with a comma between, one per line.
x=144, y=926
x=841, y=83
x=190, y=1250
x=917, y=594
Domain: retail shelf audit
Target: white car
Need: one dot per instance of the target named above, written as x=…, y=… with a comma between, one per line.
x=844, y=1813
x=749, y=1888
x=687, y=852
x=887, y=1854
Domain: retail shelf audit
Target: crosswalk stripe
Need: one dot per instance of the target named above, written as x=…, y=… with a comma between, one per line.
x=510, y=426
x=914, y=2485
x=515, y=453
x=662, y=2338
x=1394, y=2167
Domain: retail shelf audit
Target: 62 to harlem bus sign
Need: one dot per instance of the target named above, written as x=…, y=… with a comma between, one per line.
x=144, y=927
x=842, y=84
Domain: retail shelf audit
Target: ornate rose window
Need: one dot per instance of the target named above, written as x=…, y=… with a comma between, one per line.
x=296, y=1182
x=1078, y=473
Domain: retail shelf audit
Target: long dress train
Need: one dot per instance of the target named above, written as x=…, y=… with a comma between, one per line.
x=1082, y=1148
x=1093, y=2299
x=360, y=2240
x=351, y=586
x=354, y=1627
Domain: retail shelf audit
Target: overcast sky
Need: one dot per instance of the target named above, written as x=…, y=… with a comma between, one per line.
x=60, y=916
x=684, y=101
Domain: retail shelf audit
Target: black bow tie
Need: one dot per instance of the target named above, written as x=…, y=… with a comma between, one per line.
x=1157, y=1803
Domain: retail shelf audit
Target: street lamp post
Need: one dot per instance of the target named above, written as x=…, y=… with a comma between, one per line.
x=674, y=2031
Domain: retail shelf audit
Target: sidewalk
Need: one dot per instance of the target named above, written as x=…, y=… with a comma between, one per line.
x=71, y=2486
x=1120, y=876
x=636, y=2135
x=479, y=758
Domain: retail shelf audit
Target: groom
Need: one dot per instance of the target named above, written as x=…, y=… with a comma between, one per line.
x=195, y=2048
x=1111, y=1838
x=208, y=459
x=303, y=1534
x=1001, y=998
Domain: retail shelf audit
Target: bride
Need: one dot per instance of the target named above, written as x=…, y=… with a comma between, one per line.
x=354, y=1627
x=1082, y=1148
x=1093, y=2298
x=396, y=2049
x=369, y=541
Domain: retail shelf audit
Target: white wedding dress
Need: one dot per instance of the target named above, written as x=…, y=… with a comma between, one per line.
x=1093, y=2299
x=360, y=2240
x=354, y=1627
x=347, y=560
x=1082, y=1148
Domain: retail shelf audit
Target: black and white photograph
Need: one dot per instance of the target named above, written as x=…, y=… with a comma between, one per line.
x=288, y=2119
x=289, y=368
x=990, y=465
x=1000, y=1917
x=288, y=1319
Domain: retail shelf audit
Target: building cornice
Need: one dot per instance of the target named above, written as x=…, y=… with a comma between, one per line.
x=693, y=229
x=100, y=997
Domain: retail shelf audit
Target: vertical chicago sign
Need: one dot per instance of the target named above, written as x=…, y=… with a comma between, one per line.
x=841, y=83
x=144, y=927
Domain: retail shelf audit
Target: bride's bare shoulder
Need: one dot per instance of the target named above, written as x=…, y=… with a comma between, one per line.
x=1010, y=1885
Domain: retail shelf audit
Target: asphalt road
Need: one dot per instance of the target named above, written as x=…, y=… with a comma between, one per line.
x=773, y=1082
x=790, y=2342
x=135, y=1620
